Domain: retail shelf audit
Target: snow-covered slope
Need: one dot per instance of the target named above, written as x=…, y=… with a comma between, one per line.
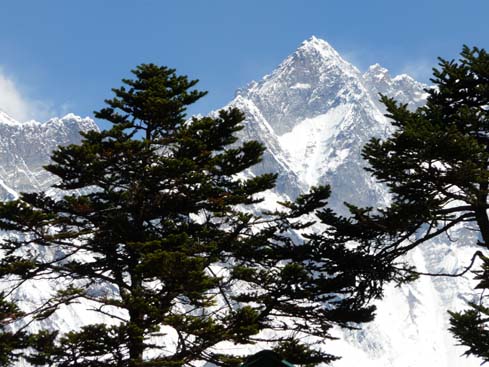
x=314, y=113
x=26, y=147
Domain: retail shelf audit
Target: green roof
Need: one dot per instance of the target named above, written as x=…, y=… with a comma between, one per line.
x=266, y=358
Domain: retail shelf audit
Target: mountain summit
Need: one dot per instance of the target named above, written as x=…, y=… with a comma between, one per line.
x=311, y=80
x=314, y=113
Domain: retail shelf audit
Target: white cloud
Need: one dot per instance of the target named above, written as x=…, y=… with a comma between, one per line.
x=11, y=100
x=355, y=57
x=14, y=102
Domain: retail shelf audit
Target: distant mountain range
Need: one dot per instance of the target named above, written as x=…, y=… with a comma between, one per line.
x=26, y=147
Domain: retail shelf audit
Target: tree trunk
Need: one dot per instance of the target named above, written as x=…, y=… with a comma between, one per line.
x=135, y=337
x=481, y=212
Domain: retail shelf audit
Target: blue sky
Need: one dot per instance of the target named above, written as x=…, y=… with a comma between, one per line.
x=59, y=56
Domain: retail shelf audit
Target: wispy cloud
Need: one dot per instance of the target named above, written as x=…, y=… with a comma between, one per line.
x=11, y=100
x=421, y=70
x=14, y=101
x=356, y=58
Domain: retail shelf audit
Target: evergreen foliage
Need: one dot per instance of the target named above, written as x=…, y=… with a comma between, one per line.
x=436, y=165
x=153, y=228
x=11, y=343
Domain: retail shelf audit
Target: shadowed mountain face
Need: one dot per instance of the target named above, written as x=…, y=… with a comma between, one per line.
x=314, y=113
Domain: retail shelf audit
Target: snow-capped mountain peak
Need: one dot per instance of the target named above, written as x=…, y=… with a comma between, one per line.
x=376, y=72
x=402, y=87
x=311, y=80
x=320, y=48
x=314, y=111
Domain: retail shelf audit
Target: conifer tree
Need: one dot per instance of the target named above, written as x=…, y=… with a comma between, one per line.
x=152, y=228
x=12, y=344
x=436, y=166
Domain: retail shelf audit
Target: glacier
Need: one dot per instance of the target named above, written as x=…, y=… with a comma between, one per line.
x=313, y=113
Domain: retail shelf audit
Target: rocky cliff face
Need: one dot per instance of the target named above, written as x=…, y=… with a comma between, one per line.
x=314, y=113
x=26, y=147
